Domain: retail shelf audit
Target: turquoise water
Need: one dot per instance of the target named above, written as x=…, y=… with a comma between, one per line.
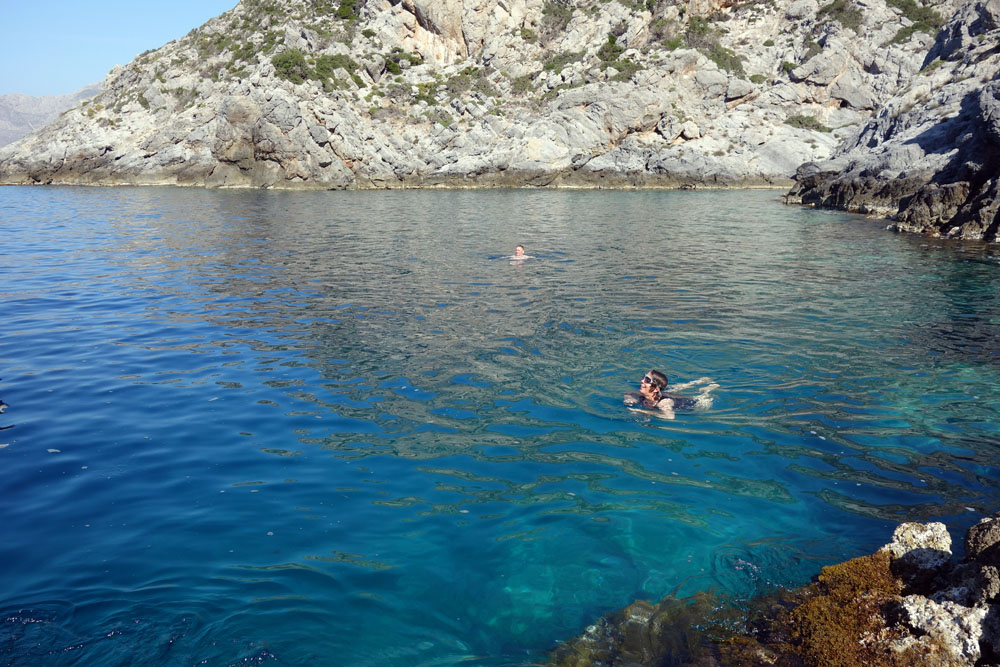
x=343, y=429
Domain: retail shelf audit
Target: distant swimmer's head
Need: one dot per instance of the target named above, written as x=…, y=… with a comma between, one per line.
x=519, y=251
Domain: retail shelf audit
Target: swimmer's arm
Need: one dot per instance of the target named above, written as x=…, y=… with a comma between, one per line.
x=666, y=408
x=633, y=398
x=692, y=383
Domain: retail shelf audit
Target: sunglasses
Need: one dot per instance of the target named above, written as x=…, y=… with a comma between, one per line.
x=646, y=380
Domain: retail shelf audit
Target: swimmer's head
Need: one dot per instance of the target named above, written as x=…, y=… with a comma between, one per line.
x=518, y=250
x=655, y=378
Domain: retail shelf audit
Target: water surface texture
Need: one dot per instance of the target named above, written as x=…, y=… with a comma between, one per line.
x=342, y=428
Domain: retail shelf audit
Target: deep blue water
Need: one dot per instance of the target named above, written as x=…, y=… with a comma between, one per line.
x=341, y=428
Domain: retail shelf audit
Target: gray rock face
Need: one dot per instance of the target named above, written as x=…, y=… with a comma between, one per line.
x=929, y=159
x=927, y=546
x=919, y=552
x=23, y=114
x=956, y=628
x=982, y=542
x=589, y=93
x=954, y=613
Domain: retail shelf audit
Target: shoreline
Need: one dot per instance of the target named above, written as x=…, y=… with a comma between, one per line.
x=883, y=216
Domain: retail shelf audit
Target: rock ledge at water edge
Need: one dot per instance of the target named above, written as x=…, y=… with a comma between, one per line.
x=909, y=604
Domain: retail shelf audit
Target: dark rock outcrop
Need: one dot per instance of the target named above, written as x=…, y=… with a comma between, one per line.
x=930, y=159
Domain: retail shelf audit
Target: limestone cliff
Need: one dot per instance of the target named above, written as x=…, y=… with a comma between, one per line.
x=929, y=159
x=421, y=93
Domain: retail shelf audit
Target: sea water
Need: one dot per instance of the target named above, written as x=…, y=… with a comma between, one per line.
x=344, y=428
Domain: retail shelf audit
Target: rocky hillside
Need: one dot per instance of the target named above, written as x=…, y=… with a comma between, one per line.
x=420, y=93
x=930, y=158
x=23, y=114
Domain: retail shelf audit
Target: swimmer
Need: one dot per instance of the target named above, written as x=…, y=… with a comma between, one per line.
x=652, y=395
x=519, y=253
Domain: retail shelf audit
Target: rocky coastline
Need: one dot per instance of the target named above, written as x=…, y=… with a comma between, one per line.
x=912, y=603
x=886, y=107
x=930, y=159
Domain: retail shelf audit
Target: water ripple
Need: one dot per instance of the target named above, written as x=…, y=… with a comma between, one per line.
x=260, y=426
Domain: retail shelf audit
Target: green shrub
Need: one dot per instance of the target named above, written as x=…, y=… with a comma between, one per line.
x=843, y=12
x=439, y=116
x=271, y=38
x=932, y=65
x=425, y=93
x=611, y=50
x=555, y=17
x=397, y=55
x=212, y=44
x=917, y=13
x=458, y=84
x=348, y=10
x=806, y=123
x=559, y=61
x=626, y=69
x=661, y=29
x=726, y=60
x=757, y=78
x=322, y=7
x=769, y=42
x=699, y=33
x=326, y=65
x=610, y=56
x=702, y=36
x=522, y=84
x=483, y=86
x=925, y=19
x=291, y=65
x=674, y=43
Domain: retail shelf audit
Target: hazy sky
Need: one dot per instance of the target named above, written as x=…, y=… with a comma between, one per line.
x=51, y=47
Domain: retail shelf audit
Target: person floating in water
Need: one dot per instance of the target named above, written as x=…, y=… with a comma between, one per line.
x=519, y=253
x=652, y=395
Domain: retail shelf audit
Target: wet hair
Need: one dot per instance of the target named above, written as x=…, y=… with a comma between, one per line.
x=659, y=379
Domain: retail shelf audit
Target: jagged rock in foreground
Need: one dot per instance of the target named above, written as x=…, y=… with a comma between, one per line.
x=908, y=605
x=930, y=159
x=424, y=93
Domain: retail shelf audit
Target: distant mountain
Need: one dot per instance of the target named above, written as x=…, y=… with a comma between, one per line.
x=23, y=114
x=322, y=94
